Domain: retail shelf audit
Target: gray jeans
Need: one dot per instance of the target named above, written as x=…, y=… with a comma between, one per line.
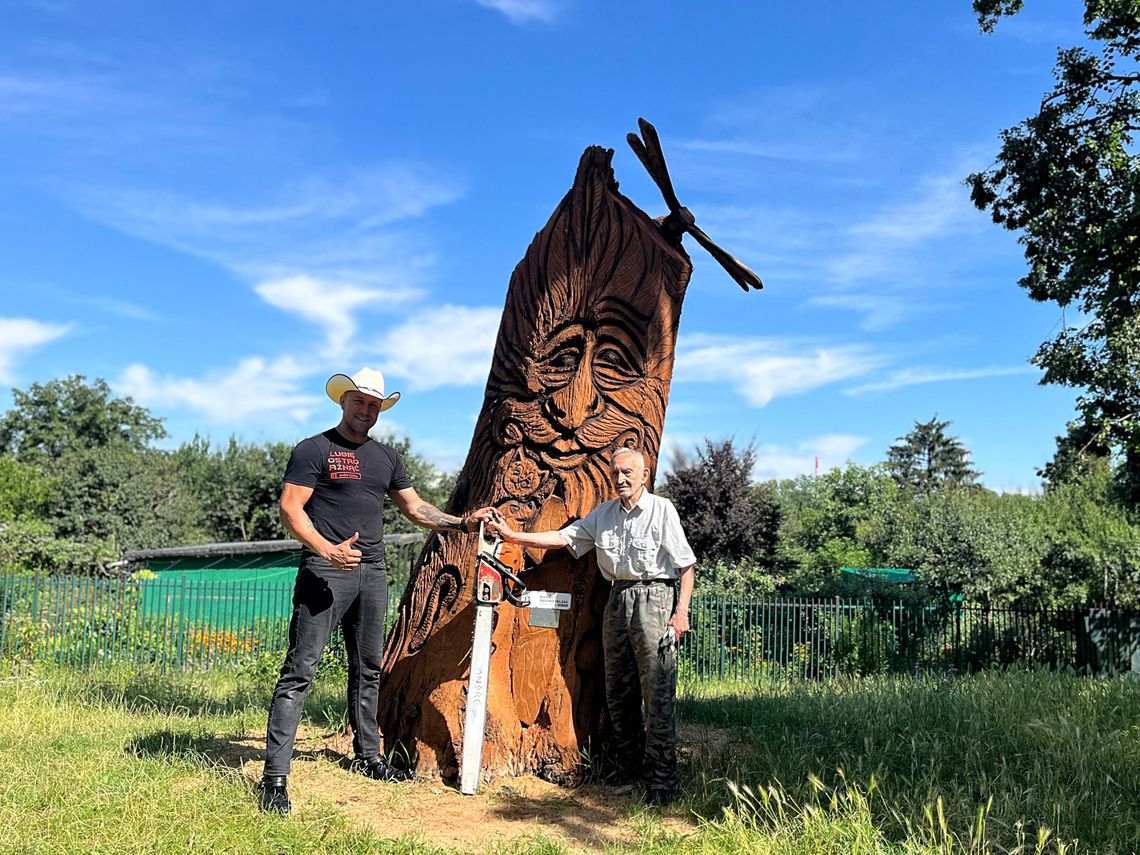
x=641, y=680
x=324, y=597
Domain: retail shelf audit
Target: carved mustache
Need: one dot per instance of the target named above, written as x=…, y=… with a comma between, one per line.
x=522, y=423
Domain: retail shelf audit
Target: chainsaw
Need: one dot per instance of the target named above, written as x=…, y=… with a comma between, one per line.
x=494, y=583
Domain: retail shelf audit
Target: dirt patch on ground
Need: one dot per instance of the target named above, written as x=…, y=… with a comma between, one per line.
x=584, y=819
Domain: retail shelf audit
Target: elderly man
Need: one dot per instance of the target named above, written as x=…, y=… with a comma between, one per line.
x=333, y=503
x=642, y=550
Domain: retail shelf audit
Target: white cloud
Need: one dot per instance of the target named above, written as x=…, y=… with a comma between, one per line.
x=880, y=311
x=942, y=205
x=763, y=369
x=780, y=462
x=389, y=430
x=522, y=11
x=884, y=243
x=121, y=308
x=19, y=337
x=776, y=462
x=28, y=94
x=338, y=228
x=446, y=346
x=255, y=391
x=887, y=262
x=774, y=150
x=331, y=306
x=916, y=376
x=321, y=250
x=788, y=122
x=872, y=268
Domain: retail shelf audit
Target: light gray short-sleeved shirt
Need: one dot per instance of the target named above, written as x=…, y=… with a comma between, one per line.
x=645, y=542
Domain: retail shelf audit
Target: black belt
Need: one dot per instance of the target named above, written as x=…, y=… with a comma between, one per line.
x=629, y=583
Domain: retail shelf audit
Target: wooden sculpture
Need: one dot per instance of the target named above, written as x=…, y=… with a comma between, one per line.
x=581, y=367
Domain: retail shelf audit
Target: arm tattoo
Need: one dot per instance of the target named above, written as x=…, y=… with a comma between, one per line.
x=434, y=518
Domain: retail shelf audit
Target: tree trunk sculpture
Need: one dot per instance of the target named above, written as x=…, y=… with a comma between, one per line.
x=582, y=366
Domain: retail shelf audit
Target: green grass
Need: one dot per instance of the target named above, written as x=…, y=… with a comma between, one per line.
x=129, y=764
x=1034, y=751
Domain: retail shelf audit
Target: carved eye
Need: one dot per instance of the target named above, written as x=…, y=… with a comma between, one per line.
x=612, y=357
x=558, y=368
x=614, y=366
x=567, y=360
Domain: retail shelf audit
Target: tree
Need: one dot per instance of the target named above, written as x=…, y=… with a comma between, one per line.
x=1094, y=544
x=60, y=416
x=24, y=496
x=974, y=542
x=24, y=490
x=236, y=489
x=111, y=491
x=123, y=499
x=1068, y=179
x=1078, y=453
x=725, y=517
x=829, y=522
x=582, y=366
x=928, y=459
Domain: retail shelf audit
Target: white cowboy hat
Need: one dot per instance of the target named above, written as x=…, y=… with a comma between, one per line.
x=368, y=381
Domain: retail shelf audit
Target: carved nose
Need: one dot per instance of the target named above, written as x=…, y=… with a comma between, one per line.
x=577, y=401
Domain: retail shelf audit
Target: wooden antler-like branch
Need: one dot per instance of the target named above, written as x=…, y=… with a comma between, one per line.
x=680, y=219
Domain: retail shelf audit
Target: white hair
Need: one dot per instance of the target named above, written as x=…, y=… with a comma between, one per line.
x=626, y=451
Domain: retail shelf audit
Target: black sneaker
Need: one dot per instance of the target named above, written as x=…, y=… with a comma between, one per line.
x=379, y=769
x=659, y=797
x=272, y=795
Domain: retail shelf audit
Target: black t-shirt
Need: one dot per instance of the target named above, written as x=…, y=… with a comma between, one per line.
x=349, y=482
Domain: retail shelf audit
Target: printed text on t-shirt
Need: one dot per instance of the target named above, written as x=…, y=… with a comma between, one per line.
x=343, y=464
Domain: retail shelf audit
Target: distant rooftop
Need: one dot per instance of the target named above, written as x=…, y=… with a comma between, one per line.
x=244, y=547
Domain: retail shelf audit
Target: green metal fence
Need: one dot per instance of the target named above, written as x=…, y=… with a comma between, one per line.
x=179, y=622
x=190, y=624
x=811, y=638
x=83, y=621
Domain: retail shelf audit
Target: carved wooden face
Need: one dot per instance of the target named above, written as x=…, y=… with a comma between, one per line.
x=585, y=353
x=588, y=387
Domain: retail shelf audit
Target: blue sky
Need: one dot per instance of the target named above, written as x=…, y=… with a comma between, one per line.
x=215, y=205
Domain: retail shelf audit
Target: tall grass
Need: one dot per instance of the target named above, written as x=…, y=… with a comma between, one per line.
x=146, y=763
x=996, y=757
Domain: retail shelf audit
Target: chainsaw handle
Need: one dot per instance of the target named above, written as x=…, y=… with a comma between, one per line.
x=506, y=571
x=514, y=588
x=521, y=601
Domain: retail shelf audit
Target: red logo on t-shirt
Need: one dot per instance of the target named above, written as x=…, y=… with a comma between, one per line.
x=343, y=464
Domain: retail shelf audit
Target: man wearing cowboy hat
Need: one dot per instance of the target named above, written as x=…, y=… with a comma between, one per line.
x=333, y=503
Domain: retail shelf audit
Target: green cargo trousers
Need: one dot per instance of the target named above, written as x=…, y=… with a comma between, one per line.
x=641, y=681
